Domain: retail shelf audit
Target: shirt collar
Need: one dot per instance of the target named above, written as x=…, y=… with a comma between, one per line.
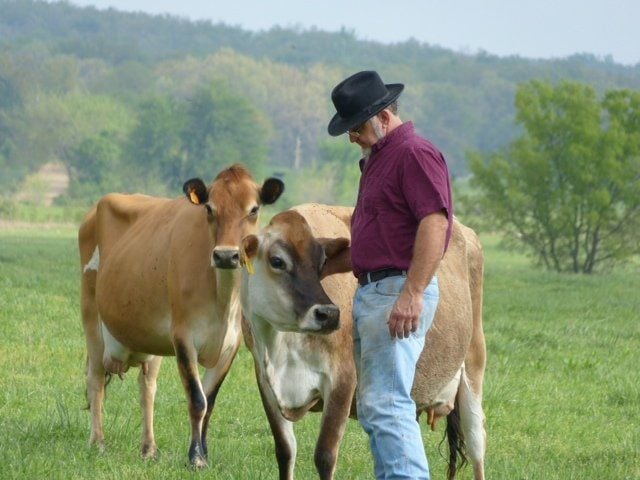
x=397, y=134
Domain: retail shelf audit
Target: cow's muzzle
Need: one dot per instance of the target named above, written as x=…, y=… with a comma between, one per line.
x=326, y=317
x=226, y=258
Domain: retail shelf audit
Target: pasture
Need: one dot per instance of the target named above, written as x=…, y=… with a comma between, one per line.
x=562, y=389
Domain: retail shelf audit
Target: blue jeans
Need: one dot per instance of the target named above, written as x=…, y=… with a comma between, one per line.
x=386, y=367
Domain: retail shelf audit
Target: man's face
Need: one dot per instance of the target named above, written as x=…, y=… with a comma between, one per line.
x=367, y=134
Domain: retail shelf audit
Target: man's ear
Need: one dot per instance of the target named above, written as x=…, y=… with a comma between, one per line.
x=196, y=191
x=338, y=253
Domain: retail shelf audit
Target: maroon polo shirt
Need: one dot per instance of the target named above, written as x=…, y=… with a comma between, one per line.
x=405, y=179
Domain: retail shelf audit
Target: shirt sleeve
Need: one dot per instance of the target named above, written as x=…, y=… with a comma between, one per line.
x=425, y=182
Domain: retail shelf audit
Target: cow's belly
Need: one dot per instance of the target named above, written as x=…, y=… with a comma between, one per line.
x=135, y=309
x=138, y=329
x=118, y=358
x=135, y=336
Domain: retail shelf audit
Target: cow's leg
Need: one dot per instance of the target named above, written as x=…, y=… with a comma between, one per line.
x=472, y=424
x=212, y=382
x=147, y=381
x=96, y=374
x=334, y=421
x=282, y=430
x=187, y=366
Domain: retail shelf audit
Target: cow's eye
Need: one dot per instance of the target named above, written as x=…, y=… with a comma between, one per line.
x=254, y=211
x=277, y=263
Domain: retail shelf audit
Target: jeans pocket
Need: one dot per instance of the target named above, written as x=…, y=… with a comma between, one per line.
x=390, y=286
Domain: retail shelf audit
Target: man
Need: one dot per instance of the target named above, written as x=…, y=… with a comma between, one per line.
x=399, y=232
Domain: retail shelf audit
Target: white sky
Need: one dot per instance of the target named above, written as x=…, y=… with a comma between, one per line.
x=532, y=29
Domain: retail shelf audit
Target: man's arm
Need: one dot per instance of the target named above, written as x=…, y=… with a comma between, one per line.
x=427, y=253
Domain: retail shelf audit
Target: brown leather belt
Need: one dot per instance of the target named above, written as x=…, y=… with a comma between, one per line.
x=365, y=278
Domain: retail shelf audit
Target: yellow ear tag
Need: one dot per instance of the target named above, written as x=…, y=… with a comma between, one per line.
x=249, y=264
x=246, y=262
x=194, y=198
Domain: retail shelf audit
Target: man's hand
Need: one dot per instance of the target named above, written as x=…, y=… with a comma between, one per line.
x=428, y=250
x=405, y=315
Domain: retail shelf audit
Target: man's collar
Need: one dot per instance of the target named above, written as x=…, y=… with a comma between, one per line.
x=400, y=132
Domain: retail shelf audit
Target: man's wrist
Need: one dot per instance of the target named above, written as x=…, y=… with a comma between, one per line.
x=412, y=290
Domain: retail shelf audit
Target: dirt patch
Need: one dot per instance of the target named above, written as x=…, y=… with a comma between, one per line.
x=21, y=225
x=44, y=186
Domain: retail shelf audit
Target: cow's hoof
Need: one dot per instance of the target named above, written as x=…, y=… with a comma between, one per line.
x=98, y=445
x=198, y=463
x=149, y=451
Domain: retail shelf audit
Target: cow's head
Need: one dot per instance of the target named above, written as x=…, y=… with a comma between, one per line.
x=281, y=284
x=232, y=203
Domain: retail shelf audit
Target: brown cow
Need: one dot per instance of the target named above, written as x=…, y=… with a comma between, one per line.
x=304, y=359
x=160, y=277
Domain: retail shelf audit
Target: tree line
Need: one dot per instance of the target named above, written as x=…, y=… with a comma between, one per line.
x=133, y=102
x=462, y=102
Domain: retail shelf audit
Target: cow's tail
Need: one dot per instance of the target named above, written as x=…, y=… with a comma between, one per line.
x=455, y=438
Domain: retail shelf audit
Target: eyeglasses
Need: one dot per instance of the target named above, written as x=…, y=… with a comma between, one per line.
x=356, y=132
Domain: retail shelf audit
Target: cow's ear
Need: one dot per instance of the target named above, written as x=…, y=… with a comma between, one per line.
x=196, y=191
x=249, y=246
x=338, y=253
x=271, y=190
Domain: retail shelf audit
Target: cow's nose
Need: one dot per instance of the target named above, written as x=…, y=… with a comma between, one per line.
x=327, y=316
x=226, y=258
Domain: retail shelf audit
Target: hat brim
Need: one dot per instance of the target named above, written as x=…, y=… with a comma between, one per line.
x=339, y=125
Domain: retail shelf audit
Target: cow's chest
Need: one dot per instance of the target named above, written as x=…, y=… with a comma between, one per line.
x=293, y=373
x=216, y=335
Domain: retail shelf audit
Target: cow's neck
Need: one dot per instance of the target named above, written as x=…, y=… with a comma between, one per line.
x=227, y=286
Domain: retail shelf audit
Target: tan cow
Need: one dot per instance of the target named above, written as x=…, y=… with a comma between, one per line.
x=160, y=277
x=304, y=359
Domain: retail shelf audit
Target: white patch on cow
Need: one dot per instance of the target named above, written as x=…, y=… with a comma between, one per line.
x=447, y=395
x=94, y=263
x=216, y=341
x=472, y=420
x=291, y=370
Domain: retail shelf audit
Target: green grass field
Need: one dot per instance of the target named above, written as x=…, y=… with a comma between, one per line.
x=562, y=390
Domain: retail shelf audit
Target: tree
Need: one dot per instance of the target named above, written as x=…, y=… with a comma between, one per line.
x=340, y=160
x=569, y=187
x=222, y=128
x=51, y=126
x=96, y=166
x=154, y=147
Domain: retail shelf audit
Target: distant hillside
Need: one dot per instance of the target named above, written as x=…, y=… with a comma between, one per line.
x=461, y=102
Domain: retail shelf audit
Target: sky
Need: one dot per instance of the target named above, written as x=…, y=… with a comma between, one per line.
x=532, y=29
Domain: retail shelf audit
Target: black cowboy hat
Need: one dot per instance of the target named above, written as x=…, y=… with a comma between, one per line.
x=358, y=98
